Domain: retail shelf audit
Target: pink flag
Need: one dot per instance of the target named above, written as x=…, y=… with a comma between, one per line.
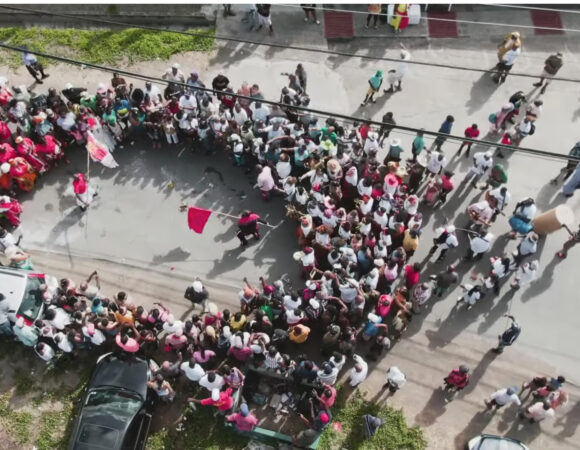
x=100, y=152
x=197, y=218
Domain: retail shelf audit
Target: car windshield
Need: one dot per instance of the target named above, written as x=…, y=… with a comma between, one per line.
x=115, y=401
x=32, y=299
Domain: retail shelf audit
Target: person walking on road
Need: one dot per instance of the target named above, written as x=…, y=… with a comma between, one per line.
x=445, y=238
x=503, y=397
x=375, y=83
x=395, y=76
x=374, y=10
x=571, y=242
x=551, y=67
x=444, y=280
x=570, y=166
x=386, y=127
x=509, y=336
x=33, y=66
x=506, y=63
x=572, y=183
x=310, y=10
x=445, y=128
x=471, y=132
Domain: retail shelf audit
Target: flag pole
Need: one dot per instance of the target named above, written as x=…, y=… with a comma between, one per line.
x=184, y=206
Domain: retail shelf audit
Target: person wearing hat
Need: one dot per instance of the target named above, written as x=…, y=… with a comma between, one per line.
x=503, y=397
x=457, y=378
x=445, y=238
x=197, y=294
x=243, y=420
x=174, y=74
x=395, y=77
x=552, y=65
x=318, y=421
x=375, y=83
x=395, y=151
x=527, y=247
x=525, y=274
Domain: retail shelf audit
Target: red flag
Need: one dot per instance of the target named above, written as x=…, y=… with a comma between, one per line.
x=197, y=218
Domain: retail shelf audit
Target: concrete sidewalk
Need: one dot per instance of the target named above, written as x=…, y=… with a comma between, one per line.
x=447, y=425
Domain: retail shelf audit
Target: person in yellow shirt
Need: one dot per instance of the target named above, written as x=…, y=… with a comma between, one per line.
x=410, y=242
x=238, y=321
x=299, y=333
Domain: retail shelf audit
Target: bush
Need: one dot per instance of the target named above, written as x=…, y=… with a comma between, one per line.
x=103, y=46
x=394, y=435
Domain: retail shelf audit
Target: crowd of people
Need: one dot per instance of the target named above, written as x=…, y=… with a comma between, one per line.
x=360, y=221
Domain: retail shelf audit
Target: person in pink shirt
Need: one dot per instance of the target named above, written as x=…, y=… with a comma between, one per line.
x=412, y=274
x=175, y=341
x=244, y=420
x=127, y=343
x=471, y=132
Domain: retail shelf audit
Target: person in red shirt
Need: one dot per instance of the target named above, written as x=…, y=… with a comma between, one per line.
x=457, y=378
x=244, y=420
x=5, y=133
x=470, y=132
x=412, y=275
x=328, y=397
x=7, y=152
x=248, y=224
x=221, y=400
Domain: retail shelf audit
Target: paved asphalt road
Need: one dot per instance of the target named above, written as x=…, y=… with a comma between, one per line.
x=136, y=218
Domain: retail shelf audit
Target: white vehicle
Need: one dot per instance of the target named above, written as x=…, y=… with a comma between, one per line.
x=22, y=289
x=490, y=442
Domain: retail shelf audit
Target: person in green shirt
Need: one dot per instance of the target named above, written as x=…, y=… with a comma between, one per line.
x=89, y=101
x=418, y=145
x=328, y=132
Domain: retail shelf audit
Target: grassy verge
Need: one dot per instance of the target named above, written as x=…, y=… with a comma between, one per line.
x=394, y=435
x=102, y=46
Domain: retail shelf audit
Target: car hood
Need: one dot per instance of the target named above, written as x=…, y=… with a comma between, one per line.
x=129, y=373
x=98, y=429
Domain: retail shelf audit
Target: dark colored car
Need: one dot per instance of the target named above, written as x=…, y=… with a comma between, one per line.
x=114, y=414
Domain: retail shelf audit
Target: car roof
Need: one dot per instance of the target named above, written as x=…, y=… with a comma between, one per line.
x=491, y=442
x=126, y=373
x=12, y=286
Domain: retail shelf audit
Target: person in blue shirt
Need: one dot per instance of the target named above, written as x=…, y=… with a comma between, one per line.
x=33, y=66
x=445, y=129
x=372, y=327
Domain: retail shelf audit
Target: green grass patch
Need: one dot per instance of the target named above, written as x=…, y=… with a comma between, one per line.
x=103, y=46
x=15, y=423
x=394, y=435
x=215, y=435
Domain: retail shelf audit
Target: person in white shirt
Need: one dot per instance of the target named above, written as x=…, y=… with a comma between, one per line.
x=337, y=360
x=470, y=296
x=239, y=114
x=211, y=381
x=188, y=102
x=171, y=325
x=63, y=342
x=523, y=129
x=396, y=379
x=436, y=163
x=57, y=317
x=506, y=64
x=445, y=238
x=174, y=74
x=535, y=109
x=328, y=374
x=526, y=274
x=7, y=239
x=482, y=161
x=502, y=198
x=153, y=92
x=538, y=411
x=95, y=335
x=479, y=245
x=44, y=351
x=192, y=370
x=33, y=66
x=371, y=142
x=359, y=372
x=259, y=112
x=503, y=397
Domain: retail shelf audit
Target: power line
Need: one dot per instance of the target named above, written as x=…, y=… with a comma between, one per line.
x=283, y=106
x=441, y=19
x=281, y=46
